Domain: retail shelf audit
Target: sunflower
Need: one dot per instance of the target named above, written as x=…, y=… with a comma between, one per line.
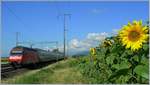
x=92, y=51
x=107, y=43
x=133, y=35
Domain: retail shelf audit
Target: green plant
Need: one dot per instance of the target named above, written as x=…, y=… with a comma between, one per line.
x=115, y=63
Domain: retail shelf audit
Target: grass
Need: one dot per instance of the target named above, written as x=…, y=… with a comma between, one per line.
x=61, y=72
x=4, y=60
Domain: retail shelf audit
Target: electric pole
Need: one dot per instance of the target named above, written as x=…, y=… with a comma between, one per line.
x=65, y=32
x=57, y=48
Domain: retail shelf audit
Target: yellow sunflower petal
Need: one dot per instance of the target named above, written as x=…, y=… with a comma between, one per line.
x=133, y=35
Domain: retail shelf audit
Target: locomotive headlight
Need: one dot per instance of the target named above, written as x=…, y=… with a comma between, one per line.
x=16, y=58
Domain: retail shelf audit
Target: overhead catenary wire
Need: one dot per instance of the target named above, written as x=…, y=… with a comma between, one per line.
x=20, y=21
x=16, y=16
x=17, y=38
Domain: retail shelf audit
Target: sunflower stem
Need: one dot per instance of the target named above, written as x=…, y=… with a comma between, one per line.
x=140, y=78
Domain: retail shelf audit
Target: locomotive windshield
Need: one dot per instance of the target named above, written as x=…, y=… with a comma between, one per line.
x=16, y=52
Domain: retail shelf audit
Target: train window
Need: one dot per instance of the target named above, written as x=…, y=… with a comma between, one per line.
x=16, y=52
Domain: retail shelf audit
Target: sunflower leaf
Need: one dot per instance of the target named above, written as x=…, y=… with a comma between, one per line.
x=144, y=60
x=129, y=52
x=136, y=58
x=119, y=73
x=116, y=66
x=145, y=47
x=142, y=70
x=110, y=59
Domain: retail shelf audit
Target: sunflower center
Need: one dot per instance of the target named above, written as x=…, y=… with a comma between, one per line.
x=134, y=36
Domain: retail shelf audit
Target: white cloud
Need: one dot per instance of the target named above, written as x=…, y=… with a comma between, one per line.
x=91, y=40
x=74, y=43
x=97, y=36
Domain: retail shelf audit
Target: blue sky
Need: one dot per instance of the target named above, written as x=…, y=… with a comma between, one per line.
x=38, y=21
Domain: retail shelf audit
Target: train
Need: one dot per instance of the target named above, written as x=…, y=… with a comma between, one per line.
x=25, y=56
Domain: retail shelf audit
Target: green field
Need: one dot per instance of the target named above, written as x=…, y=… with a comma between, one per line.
x=4, y=60
x=64, y=72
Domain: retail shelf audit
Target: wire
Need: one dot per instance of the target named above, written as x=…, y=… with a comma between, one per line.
x=19, y=19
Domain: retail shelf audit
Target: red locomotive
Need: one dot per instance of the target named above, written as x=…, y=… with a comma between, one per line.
x=20, y=55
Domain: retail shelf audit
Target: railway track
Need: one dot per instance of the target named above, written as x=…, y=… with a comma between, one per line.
x=7, y=70
x=5, y=65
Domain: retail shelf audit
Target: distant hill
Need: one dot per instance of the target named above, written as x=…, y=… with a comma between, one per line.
x=83, y=53
x=79, y=54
